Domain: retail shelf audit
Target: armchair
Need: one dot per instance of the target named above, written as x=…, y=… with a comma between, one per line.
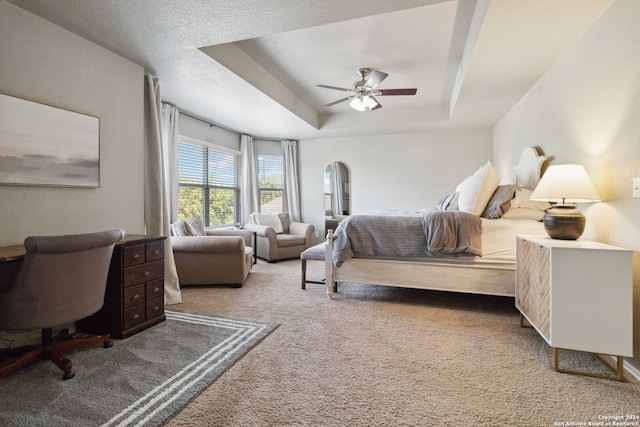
x=210, y=257
x=277, y=237
x=331, y=220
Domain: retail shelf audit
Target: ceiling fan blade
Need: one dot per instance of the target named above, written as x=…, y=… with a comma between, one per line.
x=375, y=78
x=387, y=92
x=377, y=103
x=338, y=101
x=335, y=88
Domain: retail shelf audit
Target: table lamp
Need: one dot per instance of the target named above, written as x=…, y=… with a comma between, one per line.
x=566, y=185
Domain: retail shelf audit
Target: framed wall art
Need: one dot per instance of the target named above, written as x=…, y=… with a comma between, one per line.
x=44, y=145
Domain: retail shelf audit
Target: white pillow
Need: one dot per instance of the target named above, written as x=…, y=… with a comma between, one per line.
x=449, y=203
x=179, y=229
x=476, y=190
x=270, y=220
x=522, y=199
x=195, y=227
x=524, y=213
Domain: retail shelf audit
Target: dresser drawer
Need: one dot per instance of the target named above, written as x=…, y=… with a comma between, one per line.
x=133, y=296
x=133, y=255
x=155, y=289
x=155, y=251
x=155, y=308
x=134, y=316
x=143, y=273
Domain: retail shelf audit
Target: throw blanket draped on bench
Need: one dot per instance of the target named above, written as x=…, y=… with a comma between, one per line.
x=429, y=233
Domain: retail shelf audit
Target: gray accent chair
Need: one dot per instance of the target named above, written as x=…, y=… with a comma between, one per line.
x=205, y=256
x=277, y=237
x=62, y=279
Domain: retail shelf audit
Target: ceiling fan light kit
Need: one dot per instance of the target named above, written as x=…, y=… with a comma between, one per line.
x=363, y=91
x=364, y=103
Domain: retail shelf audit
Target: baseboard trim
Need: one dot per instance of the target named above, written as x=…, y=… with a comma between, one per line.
x=632, y=370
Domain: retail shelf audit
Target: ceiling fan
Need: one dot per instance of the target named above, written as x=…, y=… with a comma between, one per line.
x=363, y=91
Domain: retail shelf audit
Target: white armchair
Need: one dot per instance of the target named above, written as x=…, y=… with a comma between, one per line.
x=209, y=257
x=277, y=237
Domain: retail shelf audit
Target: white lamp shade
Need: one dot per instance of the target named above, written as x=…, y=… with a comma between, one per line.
x=363, y=103
x=357, y=104
x=566, y=183
x=369, y=102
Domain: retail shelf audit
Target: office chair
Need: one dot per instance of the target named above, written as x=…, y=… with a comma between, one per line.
x=62, y=279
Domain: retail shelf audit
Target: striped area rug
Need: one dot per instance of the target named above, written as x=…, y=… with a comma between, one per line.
x=142, y=380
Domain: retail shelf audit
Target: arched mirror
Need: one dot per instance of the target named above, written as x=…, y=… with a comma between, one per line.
x=336, y=194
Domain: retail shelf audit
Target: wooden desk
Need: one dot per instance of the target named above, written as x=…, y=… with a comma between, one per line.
x=134, y=298
x=10, y=263
x=12, y=253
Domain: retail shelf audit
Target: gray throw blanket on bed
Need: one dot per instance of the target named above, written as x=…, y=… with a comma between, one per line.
x=452, y=232
x=407, y=235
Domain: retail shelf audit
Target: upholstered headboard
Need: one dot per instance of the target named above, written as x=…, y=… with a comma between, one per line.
x=529, y=169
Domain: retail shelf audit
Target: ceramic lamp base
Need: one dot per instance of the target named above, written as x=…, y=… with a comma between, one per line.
x=564, y=222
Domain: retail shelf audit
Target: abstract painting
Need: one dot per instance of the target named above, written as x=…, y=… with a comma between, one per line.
x=44, y=145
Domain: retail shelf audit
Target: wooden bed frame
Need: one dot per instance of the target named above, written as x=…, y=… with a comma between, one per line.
x=434, y=275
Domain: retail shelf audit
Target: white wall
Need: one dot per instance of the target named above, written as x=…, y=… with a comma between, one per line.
x=586, y=109
x=44, y=63
x=403, y=171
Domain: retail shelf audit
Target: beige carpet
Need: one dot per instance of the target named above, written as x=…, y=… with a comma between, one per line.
x=378, y=356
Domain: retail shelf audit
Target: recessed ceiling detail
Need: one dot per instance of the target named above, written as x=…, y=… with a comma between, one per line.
x=471, y=61
x=286, y=67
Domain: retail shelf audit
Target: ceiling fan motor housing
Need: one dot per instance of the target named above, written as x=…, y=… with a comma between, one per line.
x=360, y=86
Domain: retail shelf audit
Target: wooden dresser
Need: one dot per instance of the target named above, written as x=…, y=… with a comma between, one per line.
x=134, y=299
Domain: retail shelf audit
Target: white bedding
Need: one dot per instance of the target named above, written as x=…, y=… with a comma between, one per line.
x=498, y=241
x=499, y=238
x=498, y=244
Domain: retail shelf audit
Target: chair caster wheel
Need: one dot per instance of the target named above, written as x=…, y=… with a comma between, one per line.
x=107, y=344
x=68, y=375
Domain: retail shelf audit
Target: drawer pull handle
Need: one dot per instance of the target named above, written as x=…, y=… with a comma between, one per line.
x=156, y=290
x=156, y=308
x=135, y=297
x=146, y=273
x=136, y=256
x=135, y=316
x=156, y=252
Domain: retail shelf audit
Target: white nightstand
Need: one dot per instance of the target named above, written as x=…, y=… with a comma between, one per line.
x=578, y=295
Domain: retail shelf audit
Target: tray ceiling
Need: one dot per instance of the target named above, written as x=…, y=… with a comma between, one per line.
x=253, y=66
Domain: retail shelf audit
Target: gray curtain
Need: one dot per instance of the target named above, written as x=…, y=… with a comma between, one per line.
x=291, y=194
x=249, y=179
x=156, y=203
x=170, y=135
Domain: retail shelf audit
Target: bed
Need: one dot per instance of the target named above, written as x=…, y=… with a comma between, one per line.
x=479, y=264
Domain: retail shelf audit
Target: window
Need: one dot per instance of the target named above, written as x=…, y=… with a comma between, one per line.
x=270, y=183
x=208, y=183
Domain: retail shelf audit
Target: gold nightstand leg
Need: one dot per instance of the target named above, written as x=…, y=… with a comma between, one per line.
x=524, y=325
x=617, y=374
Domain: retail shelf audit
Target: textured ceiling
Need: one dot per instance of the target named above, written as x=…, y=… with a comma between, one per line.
x=252, y=65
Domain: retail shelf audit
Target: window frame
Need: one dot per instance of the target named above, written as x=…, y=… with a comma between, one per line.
x=270, y=189
x=206, y=186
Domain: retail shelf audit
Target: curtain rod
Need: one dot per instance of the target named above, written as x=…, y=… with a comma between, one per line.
x=206, y=122
x=224, y=128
